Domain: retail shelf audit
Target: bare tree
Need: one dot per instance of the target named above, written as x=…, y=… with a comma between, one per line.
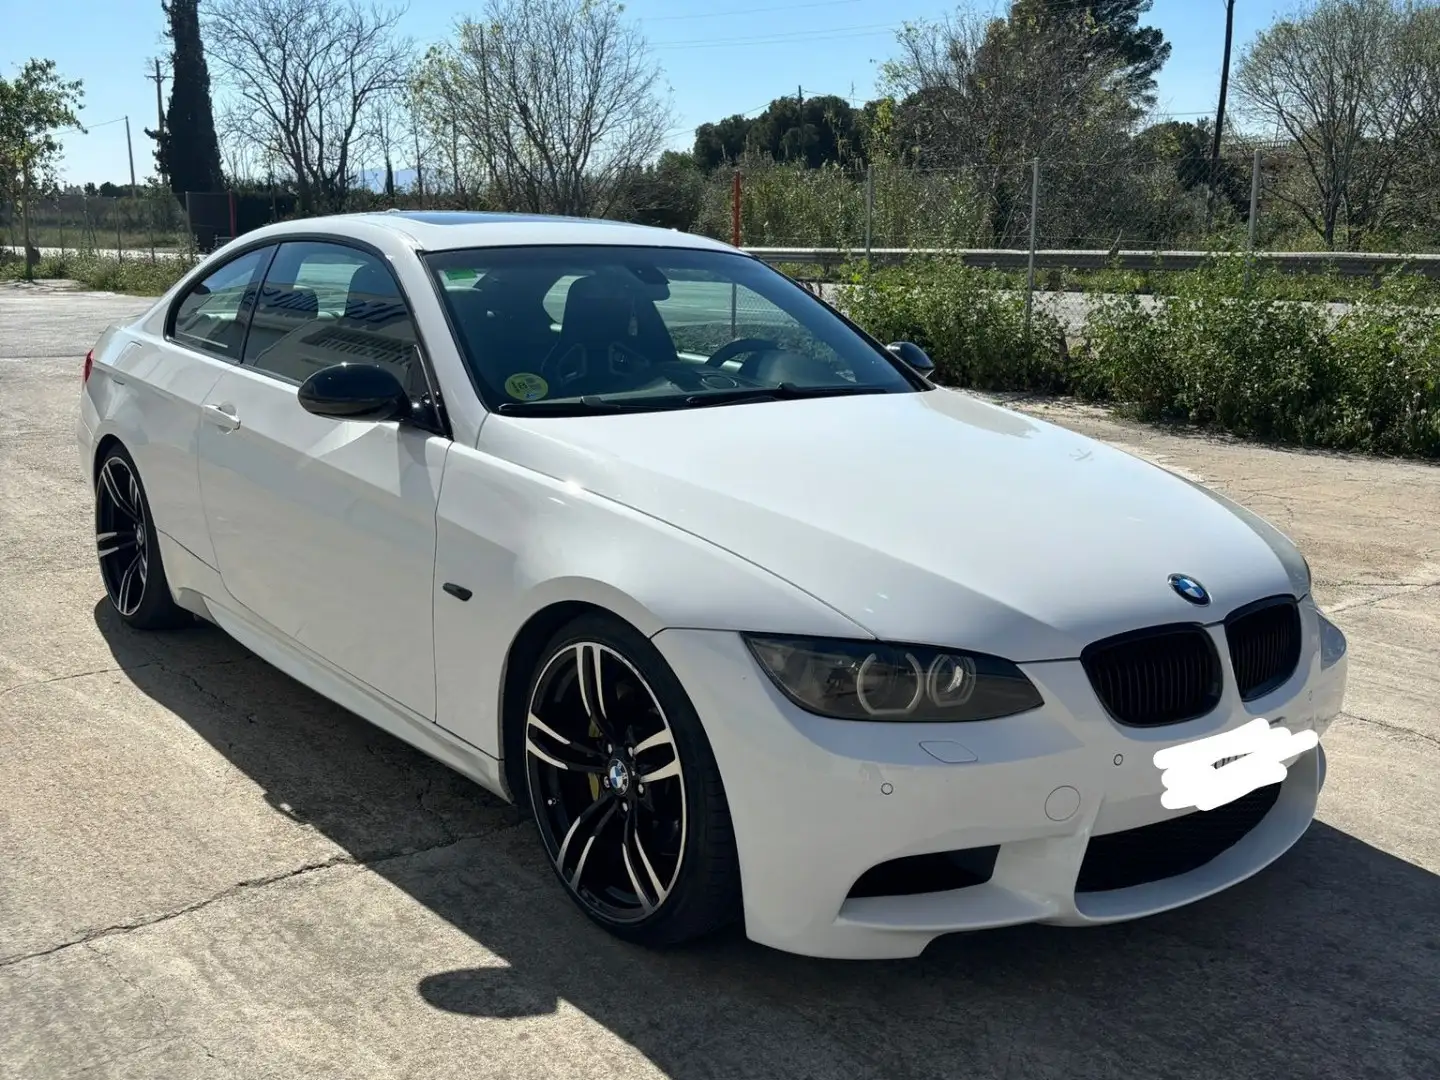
x=302, y=76
x=558, y=101
x=1418, y=188
x=987, y=96
x=1337, y=80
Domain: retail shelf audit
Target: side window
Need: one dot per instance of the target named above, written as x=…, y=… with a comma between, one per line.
x=325, y=304
x=211, y=316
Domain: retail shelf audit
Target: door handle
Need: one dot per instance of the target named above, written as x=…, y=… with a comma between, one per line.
x=222, y=416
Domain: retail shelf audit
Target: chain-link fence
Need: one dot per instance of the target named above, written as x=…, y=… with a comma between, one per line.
x=146, y=224
x=1131, y=204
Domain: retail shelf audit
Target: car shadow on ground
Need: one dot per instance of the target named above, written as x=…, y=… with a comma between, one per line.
x=1325, y=965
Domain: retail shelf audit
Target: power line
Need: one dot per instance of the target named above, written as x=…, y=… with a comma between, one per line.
x=91, y=127
x=826, y=34
x=770, y=10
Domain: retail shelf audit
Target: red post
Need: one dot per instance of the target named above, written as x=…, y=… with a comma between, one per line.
x=735, y=211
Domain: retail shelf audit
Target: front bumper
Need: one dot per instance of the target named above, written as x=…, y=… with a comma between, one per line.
x=817, y=803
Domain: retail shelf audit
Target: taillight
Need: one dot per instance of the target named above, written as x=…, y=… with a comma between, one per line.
x=89, y=366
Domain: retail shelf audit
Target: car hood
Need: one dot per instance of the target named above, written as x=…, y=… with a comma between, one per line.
x=933, y=518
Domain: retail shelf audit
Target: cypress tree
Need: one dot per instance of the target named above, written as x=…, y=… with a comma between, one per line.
x=187, y=151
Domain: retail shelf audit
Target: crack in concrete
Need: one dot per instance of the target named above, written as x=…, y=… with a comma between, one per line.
x=1388, y=726
x=86, y=939
x=1403, y=588
x=75, y=675
x=124, y=669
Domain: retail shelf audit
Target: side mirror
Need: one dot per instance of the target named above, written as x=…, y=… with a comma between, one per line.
x=913, y=356
x=355, y=392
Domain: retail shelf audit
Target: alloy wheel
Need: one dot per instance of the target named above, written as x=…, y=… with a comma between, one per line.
x=606, y=783
x=122, y=536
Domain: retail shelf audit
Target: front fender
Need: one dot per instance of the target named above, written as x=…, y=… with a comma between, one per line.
x=521, y=542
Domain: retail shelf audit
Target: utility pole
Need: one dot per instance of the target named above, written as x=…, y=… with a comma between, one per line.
x=157, y=79
x=130, y=149
x=1220, y=112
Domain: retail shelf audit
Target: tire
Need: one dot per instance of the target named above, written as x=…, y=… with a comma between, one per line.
x=608, y=817
x=129, y=550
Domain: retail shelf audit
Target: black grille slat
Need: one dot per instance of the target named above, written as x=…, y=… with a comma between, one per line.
x=1165, y=675
x=1264, y=641
x=1167, y=849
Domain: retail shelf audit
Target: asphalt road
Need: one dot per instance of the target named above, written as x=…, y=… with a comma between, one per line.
x=208, y=871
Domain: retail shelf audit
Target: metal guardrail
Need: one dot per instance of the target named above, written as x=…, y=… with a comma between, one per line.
x=1350, y=264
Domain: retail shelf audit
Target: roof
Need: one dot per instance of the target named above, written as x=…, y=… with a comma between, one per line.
x=447, y=230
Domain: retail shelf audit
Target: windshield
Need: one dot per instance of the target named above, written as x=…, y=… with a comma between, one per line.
x=565, y=330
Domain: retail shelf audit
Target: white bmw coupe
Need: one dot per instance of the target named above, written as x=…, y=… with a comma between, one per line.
x=758, y=621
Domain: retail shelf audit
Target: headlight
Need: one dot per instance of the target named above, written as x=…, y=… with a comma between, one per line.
x=868, y=680
x=1332, y=641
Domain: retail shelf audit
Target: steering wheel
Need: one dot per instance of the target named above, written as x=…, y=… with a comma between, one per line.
x=739, y=346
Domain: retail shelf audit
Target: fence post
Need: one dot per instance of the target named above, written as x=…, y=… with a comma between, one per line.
x=735, y=210
x=1034, y=213
x=735, y=242
x=1254, y=198
x=869, y=208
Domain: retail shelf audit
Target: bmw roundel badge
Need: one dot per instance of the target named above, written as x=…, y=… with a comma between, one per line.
x=1189, y=589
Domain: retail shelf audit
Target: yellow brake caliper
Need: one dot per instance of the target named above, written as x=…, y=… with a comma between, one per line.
x=594, y=780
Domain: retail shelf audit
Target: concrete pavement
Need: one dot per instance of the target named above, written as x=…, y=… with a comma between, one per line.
x=208, y=871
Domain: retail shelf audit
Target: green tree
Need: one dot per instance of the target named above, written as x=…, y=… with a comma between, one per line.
x=187, y=152
x=668, y=193
x=817, y=131
x=1112, y=29
x=721, y=143
x=1186, y=146
x=34, y=107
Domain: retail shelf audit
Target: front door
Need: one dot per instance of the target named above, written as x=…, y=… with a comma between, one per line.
x=324, y=528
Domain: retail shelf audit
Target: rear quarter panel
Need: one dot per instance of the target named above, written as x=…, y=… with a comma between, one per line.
x=147, y=393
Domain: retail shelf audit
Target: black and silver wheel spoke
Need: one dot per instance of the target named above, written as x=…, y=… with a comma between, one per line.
x=606, y=782
x=132, y=586
x=581, y=837
x=123, y=491
x=656, y=759
x=555, y=749
x=121, y=536
x=647, y=884
x=589, y=668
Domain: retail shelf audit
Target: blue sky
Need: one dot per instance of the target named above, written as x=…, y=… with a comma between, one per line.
x=720, y=56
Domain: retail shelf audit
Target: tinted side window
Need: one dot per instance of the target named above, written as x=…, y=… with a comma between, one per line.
x=325, y=304
x=211, y=316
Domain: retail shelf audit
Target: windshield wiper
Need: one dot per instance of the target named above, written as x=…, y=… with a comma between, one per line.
x=785, y=391
x=589, y=405
x=596, y=405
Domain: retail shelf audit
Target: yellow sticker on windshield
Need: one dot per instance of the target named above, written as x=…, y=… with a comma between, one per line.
x=526, y=387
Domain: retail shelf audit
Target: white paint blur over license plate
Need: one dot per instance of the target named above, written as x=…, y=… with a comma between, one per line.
x=1213, y=771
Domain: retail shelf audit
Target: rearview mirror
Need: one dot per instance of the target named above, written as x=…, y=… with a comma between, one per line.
x=355, y=392
x=913, y=356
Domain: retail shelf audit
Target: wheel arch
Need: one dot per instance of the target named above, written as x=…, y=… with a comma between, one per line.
x=101, y=449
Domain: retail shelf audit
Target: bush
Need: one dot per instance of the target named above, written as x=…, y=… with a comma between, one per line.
x=1229, y=350
x=1386, y=356
x=969, y=323
x=105, y=273
x=1229, y=347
